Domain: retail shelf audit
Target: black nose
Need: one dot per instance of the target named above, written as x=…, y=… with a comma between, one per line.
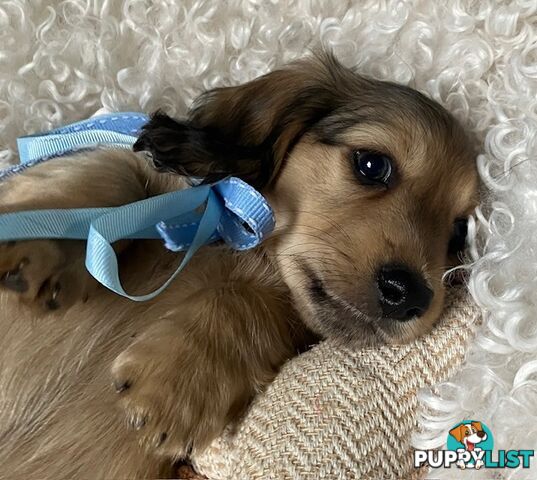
x=403, y=294
x=481, y=434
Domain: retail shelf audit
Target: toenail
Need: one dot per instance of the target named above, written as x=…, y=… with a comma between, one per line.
x=162, y=439
x=139, y=423
x=121, y=386
x=56, y=290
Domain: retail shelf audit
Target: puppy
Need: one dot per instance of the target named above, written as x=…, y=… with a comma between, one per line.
x=370, y=182
x=470, y=435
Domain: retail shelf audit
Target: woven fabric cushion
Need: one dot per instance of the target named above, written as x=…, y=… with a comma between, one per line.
x=342, y=414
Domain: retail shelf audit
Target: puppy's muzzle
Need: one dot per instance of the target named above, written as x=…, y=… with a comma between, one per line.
x=403, y=293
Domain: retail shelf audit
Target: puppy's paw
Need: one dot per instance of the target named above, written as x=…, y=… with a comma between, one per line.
x=173, y=403
x=47, y=275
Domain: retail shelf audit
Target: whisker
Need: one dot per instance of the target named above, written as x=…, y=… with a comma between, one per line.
x=331, y=221
x=509, y=170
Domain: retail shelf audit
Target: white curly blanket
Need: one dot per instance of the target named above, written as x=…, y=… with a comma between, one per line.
x=63, y=60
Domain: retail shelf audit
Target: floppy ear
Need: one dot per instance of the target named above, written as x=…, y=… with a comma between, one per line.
x=458, y=433
x=247, y=131
x=477, y=426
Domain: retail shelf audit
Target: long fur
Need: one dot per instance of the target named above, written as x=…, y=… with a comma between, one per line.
x=473, y=57
x=90, y=380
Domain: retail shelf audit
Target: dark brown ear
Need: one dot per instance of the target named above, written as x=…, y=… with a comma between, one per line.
x=247, y=131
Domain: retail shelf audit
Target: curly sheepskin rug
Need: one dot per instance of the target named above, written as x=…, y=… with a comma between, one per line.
x=61, y=61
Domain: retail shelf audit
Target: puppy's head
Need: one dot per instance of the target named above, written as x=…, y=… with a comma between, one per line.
x=469, y=433
x=371, y=183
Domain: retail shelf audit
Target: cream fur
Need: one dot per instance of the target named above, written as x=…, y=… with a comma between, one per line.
x=61, y=61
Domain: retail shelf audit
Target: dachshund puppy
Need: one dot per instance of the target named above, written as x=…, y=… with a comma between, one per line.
x=370, y=182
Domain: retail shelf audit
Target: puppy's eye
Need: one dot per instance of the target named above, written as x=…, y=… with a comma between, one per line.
x=372, y=168
x=457, y=241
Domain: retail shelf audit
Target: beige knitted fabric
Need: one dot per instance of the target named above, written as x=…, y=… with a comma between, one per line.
x=339, y=414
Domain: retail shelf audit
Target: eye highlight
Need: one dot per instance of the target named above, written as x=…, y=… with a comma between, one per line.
x=457, y=242
x=372, y=168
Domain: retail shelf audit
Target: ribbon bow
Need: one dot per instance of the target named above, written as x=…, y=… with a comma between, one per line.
x=228, y=206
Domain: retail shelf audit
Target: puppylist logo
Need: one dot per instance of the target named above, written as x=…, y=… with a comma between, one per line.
x=470, y=446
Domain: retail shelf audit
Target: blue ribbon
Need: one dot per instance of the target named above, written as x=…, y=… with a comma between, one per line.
x=227, y=206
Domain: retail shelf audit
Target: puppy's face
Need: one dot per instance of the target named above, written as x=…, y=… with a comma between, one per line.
x=370, y=182
x=366, y=211
x=469, y=433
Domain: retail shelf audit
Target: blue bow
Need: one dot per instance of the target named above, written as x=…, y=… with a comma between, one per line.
x=175, y=217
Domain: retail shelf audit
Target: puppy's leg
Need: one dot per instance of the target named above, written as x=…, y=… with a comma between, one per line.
x=51, y=274
x=44, y=274
x=196, y=369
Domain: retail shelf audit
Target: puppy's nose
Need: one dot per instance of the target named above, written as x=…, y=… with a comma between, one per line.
x=403, y=293
x=481, y=434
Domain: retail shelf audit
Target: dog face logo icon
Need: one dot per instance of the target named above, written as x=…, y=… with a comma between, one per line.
x=470, y=436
